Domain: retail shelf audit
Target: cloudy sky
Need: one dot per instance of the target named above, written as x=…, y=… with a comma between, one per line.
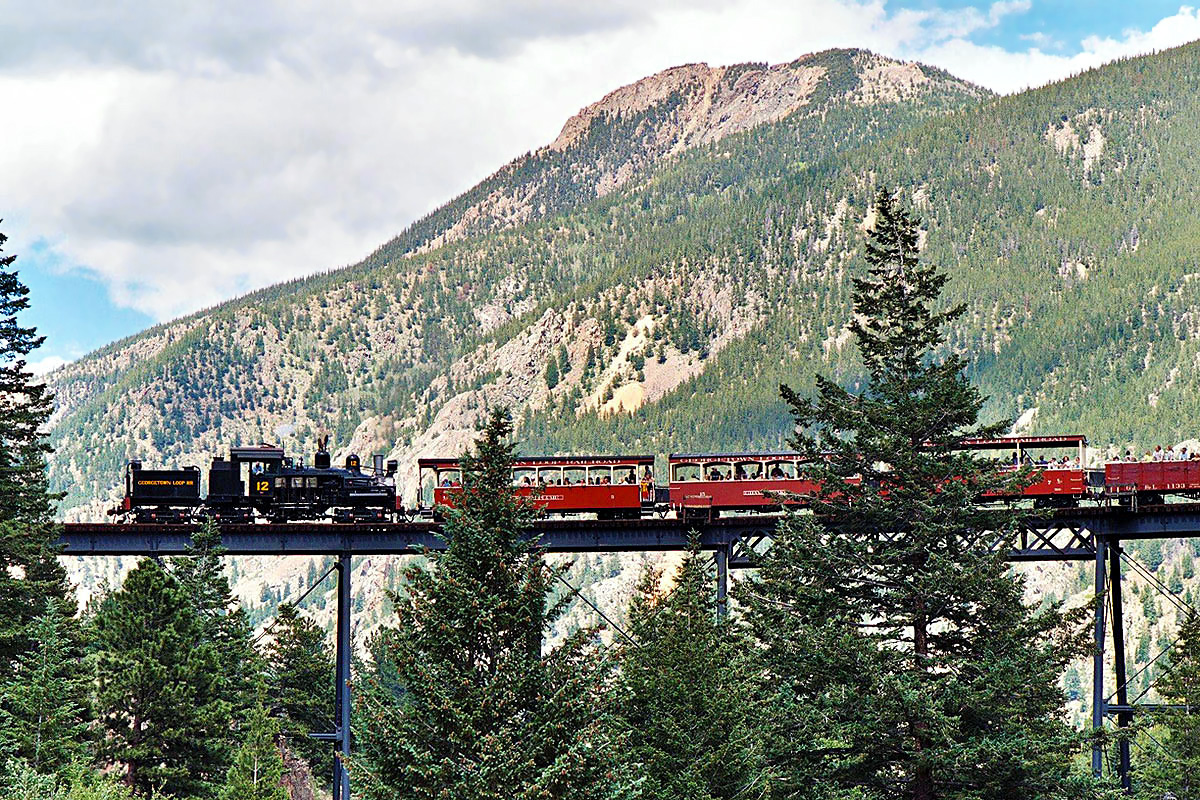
x=160, y=156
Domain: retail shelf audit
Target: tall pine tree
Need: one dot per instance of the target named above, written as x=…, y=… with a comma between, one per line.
x=1172, y=746
x=683, y=695
x=953, y=686
x=257, y=770
x=481, y=711
x=43, y=704
x=158, y=688
x=29, y=570
x=300, y=677
x=223, y=623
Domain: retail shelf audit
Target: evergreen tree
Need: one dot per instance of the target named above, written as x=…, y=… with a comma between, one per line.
x=19, y=781
x=300, y=676
x=158, y=687
x=223, y=623
x=483, y=712
x=29, y=570
x=552, y=373
x=257, y=771
x=938, y=680
x=43, y=704
x=683, y=694
x=22, y=782
x=1172, y=765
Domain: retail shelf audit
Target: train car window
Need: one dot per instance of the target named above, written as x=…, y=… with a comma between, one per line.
x=687, y=472
x=598, y=476
x=574, y=476
x=449, y=477
x=311, y=482
x=550, y=476
x=624, y=474
x=280, y=483
x=298, y=482
x=718, y=472
x=524, y=476
x=748, y=471
x=781, y=470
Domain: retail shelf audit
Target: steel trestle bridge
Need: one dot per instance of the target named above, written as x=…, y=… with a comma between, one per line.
x=1083, y=534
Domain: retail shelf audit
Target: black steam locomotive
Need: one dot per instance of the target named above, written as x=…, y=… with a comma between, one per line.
x=262, y=483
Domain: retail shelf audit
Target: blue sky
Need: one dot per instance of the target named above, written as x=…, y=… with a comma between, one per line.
x=1059, y=25
x=156, y=162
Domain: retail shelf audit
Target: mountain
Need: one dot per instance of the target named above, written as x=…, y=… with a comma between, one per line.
x=685, y=245
x=562, y=248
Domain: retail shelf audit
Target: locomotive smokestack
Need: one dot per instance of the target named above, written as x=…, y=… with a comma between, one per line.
x=377, y=463
x=321, y=457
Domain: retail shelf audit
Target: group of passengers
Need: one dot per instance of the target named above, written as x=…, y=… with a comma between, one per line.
x=1060, y=463
x=1160, y=453
x=742, y=474
x=1045, y=463
x=629, y=478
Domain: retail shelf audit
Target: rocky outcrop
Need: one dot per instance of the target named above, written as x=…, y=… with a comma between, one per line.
x=297, y=777
x=676, y=110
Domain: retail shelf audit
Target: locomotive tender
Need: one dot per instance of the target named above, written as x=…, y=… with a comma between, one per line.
x=262, y=482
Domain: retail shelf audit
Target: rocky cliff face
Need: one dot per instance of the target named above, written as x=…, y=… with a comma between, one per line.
x=626, y=133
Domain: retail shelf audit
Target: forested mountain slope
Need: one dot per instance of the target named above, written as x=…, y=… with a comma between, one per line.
x=646, y=282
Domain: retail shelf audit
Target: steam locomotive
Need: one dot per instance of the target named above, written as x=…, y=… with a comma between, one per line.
x=262, y=482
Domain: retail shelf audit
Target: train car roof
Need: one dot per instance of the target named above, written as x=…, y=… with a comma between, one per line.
x=546, y=460
x=1006, y=442
x=693, y=456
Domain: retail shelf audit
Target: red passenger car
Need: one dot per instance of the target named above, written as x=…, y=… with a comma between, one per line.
x=612, y=487
x=710, y=483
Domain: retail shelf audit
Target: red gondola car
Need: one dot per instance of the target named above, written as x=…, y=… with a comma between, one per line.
x=1055, y=483
x=710, y=483
x=612, y=487
x=1150, y=480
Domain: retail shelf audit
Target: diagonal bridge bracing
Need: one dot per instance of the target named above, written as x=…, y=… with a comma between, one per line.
x=1086, y=534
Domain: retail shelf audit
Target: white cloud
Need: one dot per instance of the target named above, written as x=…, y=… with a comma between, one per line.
x=1008, y=71
x=44, y=365
x=187, y=153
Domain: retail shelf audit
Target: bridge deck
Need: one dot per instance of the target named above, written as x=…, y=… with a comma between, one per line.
x=1064, y=535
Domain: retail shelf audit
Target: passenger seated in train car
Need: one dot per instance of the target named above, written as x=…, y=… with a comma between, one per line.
x=625, y=475
x=719, y=472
